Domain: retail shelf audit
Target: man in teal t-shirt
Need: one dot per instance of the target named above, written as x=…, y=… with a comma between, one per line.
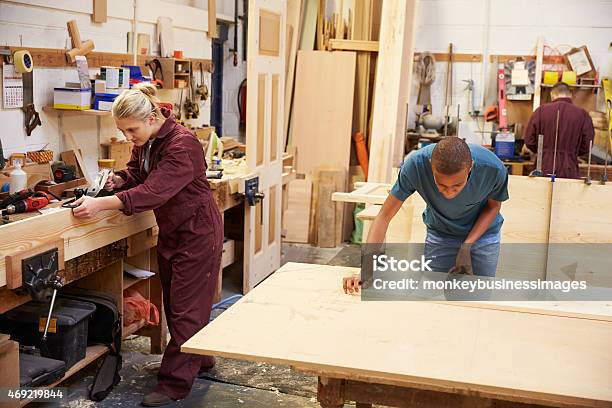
x=463, y=186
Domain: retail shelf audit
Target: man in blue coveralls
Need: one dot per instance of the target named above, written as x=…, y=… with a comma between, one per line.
x=463, y=186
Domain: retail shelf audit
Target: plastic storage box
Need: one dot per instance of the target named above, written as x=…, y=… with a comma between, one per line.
x=67, y=337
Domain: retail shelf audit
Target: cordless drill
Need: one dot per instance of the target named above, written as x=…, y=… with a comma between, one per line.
x=18, y=196
x=34, y=202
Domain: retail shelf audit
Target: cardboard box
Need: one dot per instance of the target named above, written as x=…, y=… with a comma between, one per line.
x=72, y=98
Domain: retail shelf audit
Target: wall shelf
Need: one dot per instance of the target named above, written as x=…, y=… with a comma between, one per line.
x=87, y=112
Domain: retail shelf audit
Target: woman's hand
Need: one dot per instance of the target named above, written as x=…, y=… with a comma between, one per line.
x=87, y=207
x=114, y=182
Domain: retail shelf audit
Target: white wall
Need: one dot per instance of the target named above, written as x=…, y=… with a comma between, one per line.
x=38, y=23
x=513, y=28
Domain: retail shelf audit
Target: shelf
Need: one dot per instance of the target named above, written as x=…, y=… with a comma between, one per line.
x=92, y=354
x=89, y=112
x=133, y=328
x=129, y=280
x=182, y=74
x=575, y=86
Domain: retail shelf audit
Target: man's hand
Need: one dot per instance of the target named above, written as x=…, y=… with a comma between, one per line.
x=351, y=284
x=87, y=207
x=114, y=182
x=463, y=263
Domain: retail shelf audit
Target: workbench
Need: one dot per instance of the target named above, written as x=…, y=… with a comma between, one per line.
x=408, y=354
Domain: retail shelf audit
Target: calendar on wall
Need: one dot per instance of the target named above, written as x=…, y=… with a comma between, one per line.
x=12, y=87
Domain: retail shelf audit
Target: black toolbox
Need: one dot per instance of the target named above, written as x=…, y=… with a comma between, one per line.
x=67, y=337
x=35, y=371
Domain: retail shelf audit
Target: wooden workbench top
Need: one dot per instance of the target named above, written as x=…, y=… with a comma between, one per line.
x=299, y=316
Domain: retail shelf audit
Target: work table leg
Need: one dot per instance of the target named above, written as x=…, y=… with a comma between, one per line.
x=330, y=392
x=159, y=334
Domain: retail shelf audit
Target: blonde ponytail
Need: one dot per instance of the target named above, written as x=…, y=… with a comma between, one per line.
x=138, y=102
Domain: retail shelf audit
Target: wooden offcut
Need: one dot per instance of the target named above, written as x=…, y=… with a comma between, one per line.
x=354, y=45
x=322, y=330
x=323, y=109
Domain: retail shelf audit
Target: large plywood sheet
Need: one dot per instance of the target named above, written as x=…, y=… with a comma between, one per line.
x=300, y=317
x=323, y=109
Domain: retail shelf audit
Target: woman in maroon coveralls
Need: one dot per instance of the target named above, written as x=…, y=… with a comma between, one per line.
x=167, y=174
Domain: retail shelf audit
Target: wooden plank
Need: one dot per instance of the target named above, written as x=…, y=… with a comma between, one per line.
x=309, y=24
x=13, y=261
x=9, y=358
x=56, y=58
x=212, y=19
x=69, y=157
x=538, y=72
x=547, y=59
x=304, y=305
x=326, y=211
x=100, y=11
x=393, y=82
x=297, y=214
x=457, y=57
x=354, y=45
x=323, y=109
x=79, y=157
x=293, y=21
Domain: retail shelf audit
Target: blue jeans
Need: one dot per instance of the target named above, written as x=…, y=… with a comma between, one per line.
x=443, y=252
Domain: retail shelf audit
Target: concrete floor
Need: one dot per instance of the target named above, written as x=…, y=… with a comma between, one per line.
x=232, y=383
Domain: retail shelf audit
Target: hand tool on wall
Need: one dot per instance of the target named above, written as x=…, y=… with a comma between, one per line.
x=538, y=170
x=31, y=117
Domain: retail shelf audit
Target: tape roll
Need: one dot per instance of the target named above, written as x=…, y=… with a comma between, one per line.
x=23, y=61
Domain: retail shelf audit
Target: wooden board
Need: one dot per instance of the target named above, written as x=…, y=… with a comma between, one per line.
x=309, y=24
x=323, y=109
x=354, y=45
x=392, y=88
x=56, y=58
x=297, y=215
x=212, y=19
x=79, y=158
x=293, y=22
x=329, y=215
x=300, y=317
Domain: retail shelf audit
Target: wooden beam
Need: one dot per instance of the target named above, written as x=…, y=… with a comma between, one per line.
x=538, y=73
x=444, y=57
x=547, y=59
x=56, y=58
x=392, y=89
x=353, y=45
x=212, y=19
x=100, y=11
